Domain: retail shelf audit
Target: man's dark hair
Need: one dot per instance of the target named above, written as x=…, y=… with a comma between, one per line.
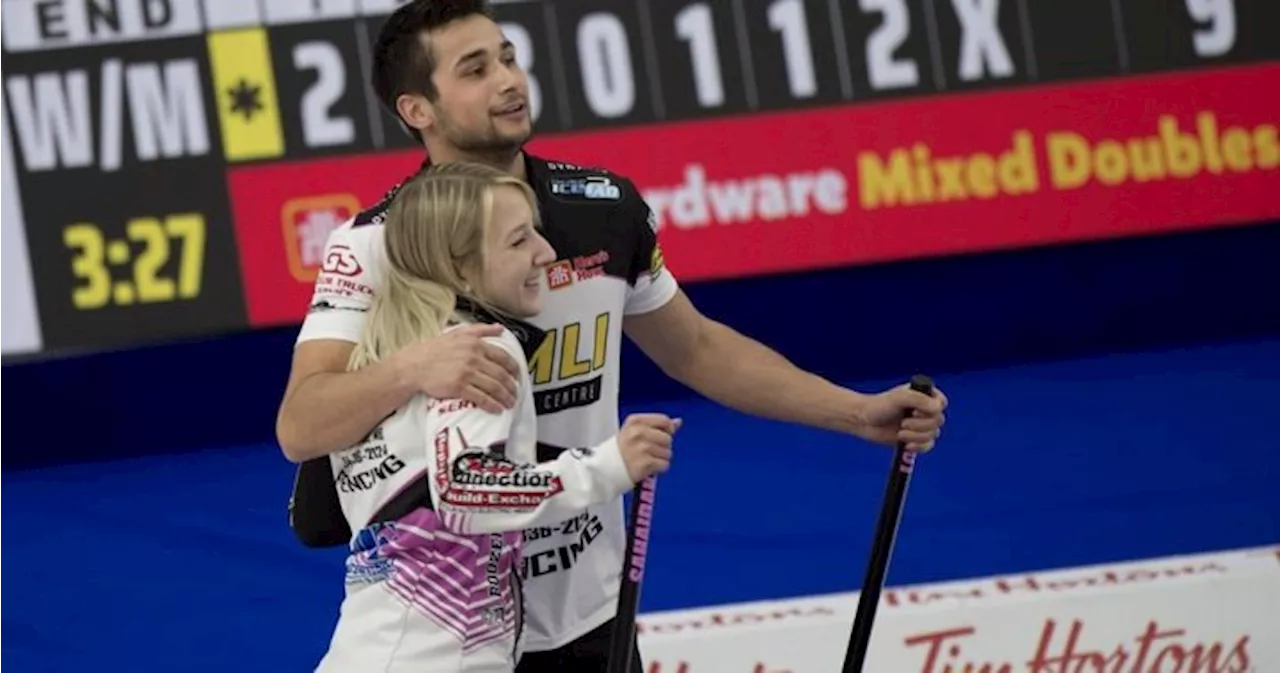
x=401, y=64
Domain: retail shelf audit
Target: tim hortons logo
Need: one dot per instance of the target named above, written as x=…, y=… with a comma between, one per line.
x=1065, y=649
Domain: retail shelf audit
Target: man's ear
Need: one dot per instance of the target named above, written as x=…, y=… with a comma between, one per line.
x=416, y=111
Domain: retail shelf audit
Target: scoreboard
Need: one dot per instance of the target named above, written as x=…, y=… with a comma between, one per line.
x=172, y=167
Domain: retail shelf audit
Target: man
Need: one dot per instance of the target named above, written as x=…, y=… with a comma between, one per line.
x=445, y=70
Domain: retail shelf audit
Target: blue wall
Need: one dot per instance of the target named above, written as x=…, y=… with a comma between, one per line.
x=854, y=323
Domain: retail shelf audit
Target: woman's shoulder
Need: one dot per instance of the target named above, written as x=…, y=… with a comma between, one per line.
x=523, y=337
x=509, y=339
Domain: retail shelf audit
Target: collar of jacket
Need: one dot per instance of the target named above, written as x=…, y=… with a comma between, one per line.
x=529, y=336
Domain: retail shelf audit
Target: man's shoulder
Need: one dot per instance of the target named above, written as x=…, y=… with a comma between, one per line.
x=357, y=236
x=365, y=228
x=376, y=214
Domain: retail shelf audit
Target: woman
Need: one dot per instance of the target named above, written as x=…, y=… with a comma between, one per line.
x=438, y=494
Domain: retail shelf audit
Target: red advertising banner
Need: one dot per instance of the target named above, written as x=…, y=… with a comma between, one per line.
x=283, y=215
x=862, y=183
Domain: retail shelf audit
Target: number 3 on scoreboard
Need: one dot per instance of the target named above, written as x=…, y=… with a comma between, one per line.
x=93, y=256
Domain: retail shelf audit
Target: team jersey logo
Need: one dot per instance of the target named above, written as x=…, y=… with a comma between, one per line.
x=369, y=561
x=560, y=274
x=342, y=261
x=595, y=188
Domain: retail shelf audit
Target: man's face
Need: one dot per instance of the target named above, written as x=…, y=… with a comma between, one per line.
x=483, y=104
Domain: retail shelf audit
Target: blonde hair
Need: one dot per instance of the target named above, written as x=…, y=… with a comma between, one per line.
x=434, y=241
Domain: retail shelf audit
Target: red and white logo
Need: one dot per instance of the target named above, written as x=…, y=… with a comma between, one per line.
x=560, y=274
x=1067, y=648
x=342, y=261
x=307, y=223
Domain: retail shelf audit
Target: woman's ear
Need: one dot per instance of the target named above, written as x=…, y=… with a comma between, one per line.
x=470, y=280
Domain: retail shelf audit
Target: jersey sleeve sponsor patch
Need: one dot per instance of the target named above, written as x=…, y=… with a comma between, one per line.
x=344, y=287
x=342, y=284
x=656, y=262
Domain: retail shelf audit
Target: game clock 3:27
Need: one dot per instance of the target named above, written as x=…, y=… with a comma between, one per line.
x=136, y=280
x=133, y=266
x=147, y=251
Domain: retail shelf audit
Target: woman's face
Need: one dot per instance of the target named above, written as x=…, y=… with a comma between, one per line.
x=516, y=256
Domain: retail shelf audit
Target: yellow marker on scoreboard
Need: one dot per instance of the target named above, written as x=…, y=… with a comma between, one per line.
x=245, y=90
